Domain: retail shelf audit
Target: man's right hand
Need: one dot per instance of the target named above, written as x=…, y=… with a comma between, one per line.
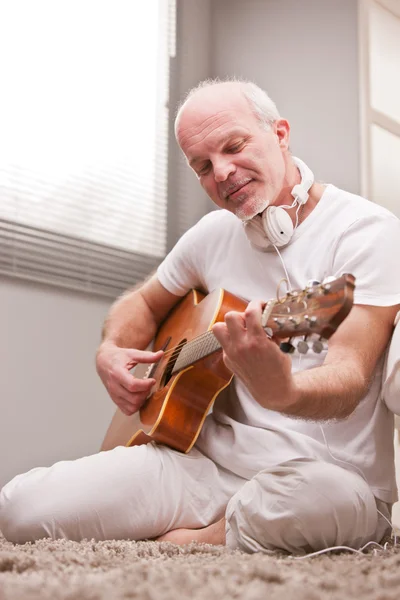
x=113, y=365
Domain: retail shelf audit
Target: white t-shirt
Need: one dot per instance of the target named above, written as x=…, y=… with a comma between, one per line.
x=343, y=234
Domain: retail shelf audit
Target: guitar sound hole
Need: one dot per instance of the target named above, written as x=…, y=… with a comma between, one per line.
x=175, y=353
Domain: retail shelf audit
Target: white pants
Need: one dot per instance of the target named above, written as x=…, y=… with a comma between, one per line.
x=141, y=492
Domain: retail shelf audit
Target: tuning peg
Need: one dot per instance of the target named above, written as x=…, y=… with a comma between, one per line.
x=287, y=347
x=295, y=322
x=279, y=322
x=318, y=346
x=312, y=282
x=302, y=347
x=311, y=320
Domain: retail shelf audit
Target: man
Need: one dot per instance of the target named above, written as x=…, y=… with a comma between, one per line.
x=299, y=454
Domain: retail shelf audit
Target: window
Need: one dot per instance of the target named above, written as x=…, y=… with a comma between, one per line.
x=83, y=144
x=380, y=59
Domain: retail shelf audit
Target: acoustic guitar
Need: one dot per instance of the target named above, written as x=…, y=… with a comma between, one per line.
x=192, y=373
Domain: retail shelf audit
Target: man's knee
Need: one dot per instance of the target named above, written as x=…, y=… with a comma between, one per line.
x=27, y=509
x=301, y=506
x=19, y=520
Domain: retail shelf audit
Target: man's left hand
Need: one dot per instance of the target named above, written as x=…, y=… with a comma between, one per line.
x=256, y=359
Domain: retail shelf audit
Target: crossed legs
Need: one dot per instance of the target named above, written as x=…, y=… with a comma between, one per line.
x=151, y=492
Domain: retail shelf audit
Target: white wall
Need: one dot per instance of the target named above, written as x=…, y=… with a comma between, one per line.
x=193, y=62
x=52, y=403
x=305, y=55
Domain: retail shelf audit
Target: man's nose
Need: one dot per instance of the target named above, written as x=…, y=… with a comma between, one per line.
x=223, y=168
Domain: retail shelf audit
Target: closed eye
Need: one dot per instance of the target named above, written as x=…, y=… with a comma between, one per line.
x=235, y=148
x=204, y=169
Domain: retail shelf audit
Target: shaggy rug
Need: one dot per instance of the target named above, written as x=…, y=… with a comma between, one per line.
x=63, y=570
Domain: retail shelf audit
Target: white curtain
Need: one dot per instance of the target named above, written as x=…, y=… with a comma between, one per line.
x=83, y=140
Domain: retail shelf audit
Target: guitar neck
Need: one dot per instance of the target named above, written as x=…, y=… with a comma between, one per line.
x=200, y=347
x=316, y=310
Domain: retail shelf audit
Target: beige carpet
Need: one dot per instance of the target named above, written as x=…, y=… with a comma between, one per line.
x=151, y=571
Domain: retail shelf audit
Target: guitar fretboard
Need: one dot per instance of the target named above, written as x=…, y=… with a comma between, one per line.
x=196, y=349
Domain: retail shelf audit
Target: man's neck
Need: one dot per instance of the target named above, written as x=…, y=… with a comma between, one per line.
x=315, y=195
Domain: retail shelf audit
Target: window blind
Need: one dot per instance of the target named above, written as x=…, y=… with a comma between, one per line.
x=84, y=140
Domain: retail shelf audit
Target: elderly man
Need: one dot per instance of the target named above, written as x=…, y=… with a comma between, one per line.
x=298, y=454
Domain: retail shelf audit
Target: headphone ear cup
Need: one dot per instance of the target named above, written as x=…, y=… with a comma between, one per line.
x=278, y=226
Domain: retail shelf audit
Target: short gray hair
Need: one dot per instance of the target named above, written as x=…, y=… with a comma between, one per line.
x=260, y=103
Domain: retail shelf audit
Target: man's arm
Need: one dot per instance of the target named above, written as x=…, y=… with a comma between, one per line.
x=330, y=391
x=149, y=300
x=129, y=327
x=346, y=374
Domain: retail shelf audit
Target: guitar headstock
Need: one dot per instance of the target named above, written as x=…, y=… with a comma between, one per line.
x=317, y=309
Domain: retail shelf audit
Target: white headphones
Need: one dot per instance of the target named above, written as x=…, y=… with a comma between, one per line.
x=274, y=227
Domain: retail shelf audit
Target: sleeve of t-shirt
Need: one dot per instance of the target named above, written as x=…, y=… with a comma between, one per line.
x=369, y=249
x=182, y=268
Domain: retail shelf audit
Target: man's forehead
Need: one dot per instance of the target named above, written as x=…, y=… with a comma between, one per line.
x=197, y=140
x=202, y=123
x=205, y=124
x=214, y=100
x=217, y=141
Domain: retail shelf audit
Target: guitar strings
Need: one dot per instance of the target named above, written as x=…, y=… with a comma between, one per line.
x=194, y=342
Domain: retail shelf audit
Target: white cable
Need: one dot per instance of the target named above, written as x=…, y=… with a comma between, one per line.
x=284, y=268
x=297, y=215
x=391, y=527
x=312, y=554
x=360, y=551
x=338, y=459
x=289, y=206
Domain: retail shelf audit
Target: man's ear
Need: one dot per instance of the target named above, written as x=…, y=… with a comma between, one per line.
x=282, y=129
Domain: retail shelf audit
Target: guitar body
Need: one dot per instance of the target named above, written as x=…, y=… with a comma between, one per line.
x=179, y=403
x=192, y=373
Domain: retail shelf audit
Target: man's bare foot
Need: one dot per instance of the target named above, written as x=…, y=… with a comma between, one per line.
x=213, y=534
